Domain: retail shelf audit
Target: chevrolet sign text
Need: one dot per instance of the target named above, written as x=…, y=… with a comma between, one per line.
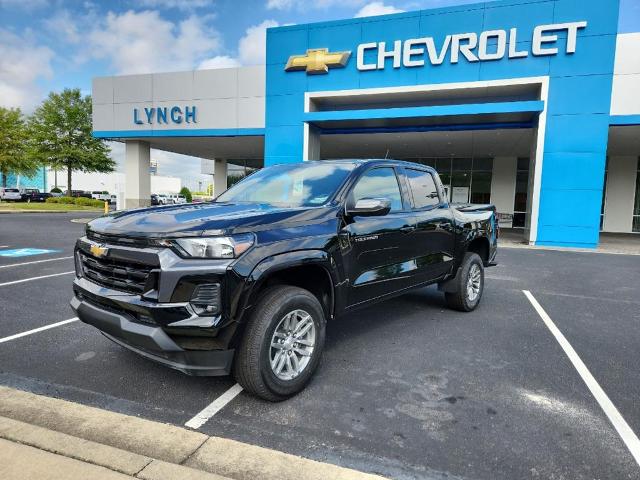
x=489, y=45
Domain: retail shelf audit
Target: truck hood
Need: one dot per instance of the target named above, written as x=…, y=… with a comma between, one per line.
x=196, y=219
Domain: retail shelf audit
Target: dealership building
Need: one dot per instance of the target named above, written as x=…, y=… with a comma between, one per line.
x=532, y=105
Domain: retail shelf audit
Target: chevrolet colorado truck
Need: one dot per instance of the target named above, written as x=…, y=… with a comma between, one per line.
x=247, y=283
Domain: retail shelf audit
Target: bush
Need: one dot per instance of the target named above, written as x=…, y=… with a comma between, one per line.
x=64, y=200
x=88, y=202
x=80, y=201
x=56, y=190
x=187, y=194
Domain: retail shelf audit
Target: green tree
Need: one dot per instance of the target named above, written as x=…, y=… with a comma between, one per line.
x=60, y=135
x=13, y=137
x=187, y=194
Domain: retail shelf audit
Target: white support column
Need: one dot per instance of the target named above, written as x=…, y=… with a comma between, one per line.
x=219, y=176
x=503, y=185
x=137, y=175
x=621, y=188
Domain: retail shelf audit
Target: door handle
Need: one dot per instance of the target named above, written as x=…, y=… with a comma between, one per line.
x=407, y=228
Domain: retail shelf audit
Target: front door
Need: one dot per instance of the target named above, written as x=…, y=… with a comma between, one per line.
x=375, y=249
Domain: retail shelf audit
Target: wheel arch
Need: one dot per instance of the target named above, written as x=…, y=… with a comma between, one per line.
x=309, y=269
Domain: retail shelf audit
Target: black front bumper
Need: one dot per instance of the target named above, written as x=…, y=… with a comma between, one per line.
x=152, y=342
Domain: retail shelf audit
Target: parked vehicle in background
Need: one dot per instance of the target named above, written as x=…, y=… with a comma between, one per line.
x=113, y=199
x=34, y=195
x=163, y=199
x=178, y=199
x=10, y=194
x=154, y=200
x=247, y=284
x=56, y=194
x=101, y=195
x=77, y=193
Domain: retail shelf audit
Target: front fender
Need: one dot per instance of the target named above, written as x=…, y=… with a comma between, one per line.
x=275, y=263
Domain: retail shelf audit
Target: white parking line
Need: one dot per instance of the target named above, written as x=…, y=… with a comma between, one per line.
x=214, y=407
x=36, y=330
x=619, y=423
x=35, y=278
x=36, y=261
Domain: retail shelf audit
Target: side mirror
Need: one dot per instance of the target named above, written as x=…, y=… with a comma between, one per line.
x=370, y=207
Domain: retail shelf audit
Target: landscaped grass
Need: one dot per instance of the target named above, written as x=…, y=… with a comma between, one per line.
x=49, y=207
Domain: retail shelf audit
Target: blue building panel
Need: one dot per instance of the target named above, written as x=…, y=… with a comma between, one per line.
x=39, y=180
x=579, y=79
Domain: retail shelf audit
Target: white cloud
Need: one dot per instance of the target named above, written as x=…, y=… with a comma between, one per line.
x=22, y=64
x=184, y=5
x=143, y=42
x=219, y=61
x=279, y=4
x=253, y=45
x=306, y=4
x=377, y=8
x=63, y=25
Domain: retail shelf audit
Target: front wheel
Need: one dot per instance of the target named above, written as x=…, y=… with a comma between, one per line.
x=469, y=284
x=282, y=343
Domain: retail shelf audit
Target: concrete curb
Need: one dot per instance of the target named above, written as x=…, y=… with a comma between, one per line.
x=158, y=451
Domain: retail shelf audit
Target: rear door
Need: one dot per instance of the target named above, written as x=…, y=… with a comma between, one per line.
x=433, y=239
x=375, y=249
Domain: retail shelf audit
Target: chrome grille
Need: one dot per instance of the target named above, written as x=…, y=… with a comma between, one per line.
x=115, y=274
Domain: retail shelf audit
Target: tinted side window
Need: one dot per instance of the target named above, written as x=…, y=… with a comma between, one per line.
x=423, y=188
x=376, y=183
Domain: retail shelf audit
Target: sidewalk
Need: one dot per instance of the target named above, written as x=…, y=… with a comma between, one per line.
x=613, y=243
x=44, y=438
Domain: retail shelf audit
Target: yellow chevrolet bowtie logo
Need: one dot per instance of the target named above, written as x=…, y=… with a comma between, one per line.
x=317, y=61
x=98, y=251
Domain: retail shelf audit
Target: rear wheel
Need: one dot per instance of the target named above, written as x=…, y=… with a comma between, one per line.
x=282, y=343
x=469, y=284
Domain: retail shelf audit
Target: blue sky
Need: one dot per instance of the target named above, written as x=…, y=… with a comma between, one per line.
x=52, y=44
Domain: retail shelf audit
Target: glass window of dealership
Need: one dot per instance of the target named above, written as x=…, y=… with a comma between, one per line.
x=531, y=105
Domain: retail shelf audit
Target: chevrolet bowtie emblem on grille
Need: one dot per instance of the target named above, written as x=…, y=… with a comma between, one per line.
x=98, y=251
x=317, y=61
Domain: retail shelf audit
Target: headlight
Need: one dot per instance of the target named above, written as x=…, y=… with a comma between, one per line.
x=215, y=247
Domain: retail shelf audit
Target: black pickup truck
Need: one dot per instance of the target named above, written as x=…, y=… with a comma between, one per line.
x=246, y=284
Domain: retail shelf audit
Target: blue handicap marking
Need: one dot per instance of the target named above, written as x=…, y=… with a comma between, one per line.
x=25, y=252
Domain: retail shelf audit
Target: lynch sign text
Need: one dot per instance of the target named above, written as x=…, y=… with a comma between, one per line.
x=164, y=115
x=489, y=45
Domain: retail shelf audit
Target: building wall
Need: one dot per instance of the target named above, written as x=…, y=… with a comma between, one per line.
x=503, y=185
x=620, y=193
x=625, y=98
x=225, y=100
x=39, y=180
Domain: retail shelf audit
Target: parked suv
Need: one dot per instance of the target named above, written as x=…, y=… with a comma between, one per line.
x=247, y=283
x=10, y=194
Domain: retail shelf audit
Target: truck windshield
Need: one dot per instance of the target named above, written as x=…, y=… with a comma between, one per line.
x=294, y=185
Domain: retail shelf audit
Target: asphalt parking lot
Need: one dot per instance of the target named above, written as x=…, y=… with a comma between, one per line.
x=406, y=389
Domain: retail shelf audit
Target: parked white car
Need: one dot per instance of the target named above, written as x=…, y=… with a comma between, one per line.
x=177, y=199
x=10, y=194
x=104, y=196
x=164, y=199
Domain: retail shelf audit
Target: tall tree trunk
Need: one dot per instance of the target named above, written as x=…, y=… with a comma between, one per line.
x=69, y=180
x=55, y=178
x=4, y=179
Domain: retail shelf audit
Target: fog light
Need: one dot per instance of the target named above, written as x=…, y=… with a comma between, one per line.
x=206, y=299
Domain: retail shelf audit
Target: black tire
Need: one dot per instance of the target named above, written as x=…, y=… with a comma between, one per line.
x=460, y=299
x=252, y=365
